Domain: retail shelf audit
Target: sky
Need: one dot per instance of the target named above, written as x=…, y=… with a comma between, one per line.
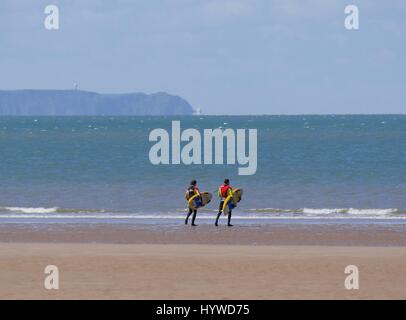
x=223, y=56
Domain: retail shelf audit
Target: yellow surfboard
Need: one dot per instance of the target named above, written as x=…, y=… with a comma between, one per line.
x=231, y=201
x=194, y=204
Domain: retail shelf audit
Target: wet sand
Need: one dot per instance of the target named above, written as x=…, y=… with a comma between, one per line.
x=272, y=262
x=267, y=234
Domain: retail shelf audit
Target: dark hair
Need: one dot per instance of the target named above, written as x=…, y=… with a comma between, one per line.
x=193, y=182
x=226, y=181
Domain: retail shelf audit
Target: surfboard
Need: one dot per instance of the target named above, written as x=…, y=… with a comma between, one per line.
x=195, y=202
x=231, y=201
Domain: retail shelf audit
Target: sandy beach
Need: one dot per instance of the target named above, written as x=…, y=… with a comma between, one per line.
x=156, y=265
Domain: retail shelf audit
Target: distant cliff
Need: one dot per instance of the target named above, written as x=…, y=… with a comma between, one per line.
x=75, y=102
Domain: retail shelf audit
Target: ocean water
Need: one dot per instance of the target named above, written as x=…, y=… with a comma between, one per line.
x=310, y=168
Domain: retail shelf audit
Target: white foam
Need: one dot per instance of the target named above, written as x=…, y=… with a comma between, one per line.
x=351, y=211
x=375, y=212
x=256, y=213
x=312, y=211
x=32, y=210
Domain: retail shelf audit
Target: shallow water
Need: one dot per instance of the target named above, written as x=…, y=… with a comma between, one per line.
x=88, y=169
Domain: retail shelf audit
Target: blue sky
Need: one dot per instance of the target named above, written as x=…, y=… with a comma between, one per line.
x=224, y=56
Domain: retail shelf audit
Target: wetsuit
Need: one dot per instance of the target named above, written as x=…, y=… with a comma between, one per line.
x=224, y=192
x=191, y=191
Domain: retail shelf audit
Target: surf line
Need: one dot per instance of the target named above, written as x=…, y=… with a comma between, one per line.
x=168, y=148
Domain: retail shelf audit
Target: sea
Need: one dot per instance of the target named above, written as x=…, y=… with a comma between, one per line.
x=310, y=169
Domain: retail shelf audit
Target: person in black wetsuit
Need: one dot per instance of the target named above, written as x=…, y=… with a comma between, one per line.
x=224, y=191
x=190, y=192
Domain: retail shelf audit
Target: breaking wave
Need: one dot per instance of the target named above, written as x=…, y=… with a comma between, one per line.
x=9, y=212
x=41, y=210
x=335, y=212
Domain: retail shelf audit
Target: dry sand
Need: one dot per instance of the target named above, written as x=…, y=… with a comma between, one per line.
x=204, y=269
x=126, y=271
